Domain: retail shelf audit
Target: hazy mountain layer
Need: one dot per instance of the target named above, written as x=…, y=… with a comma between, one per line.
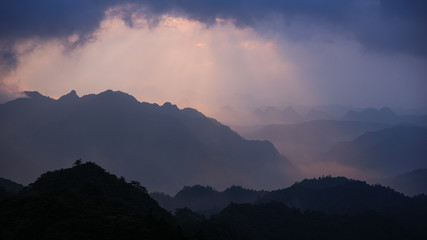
x=206, y=200
x=386, y=152
x=304, y=142
x=385, y=115
x=162, y=146
x=410, y=183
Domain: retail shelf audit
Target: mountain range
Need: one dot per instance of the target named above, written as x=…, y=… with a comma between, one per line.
x=385, y=152
x=87, y=202
x=411, y=183
x=163, y=146
x=332, y=195
x=206, y=200
x=385, y=115
x=304, y=142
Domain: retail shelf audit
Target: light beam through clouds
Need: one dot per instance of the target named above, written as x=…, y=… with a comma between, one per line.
x=180, y=60
x=208, y=54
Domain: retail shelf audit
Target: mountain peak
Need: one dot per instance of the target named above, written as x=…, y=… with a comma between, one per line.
x=290, y=109
x=386, y=110
x=36, y=96
x=385, y=115
x=71, y=96
x=116, y=96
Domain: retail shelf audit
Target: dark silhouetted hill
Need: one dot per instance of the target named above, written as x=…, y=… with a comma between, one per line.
x=275, y=220
x=387, y=152
x=338, y=195
x=84, y=202
x=10, y=186
x=169, y=147
x=306, y=141
x=87, y=202
x=206, y=200
x=411, y=183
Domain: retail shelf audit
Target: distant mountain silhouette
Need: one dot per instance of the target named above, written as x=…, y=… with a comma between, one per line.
x=84, y=202
x=338, y=195
x=388, y=151
x=245, y=117
x=273, y=115
x=315, y=114
x=411, y=183
x=162, y=146
x=10, y=186
x=306, y=141
x=385, y=115
x=206, y=200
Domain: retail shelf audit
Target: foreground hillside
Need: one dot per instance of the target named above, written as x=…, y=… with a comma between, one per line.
x=86, y=202
x=169, y=147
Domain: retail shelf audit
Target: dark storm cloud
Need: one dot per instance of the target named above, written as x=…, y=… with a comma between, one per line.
x=398, y=26
x=386, y=25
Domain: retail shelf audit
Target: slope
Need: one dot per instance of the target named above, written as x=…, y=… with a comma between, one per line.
x=387, y=152
x=84, y=202
x=170, y=147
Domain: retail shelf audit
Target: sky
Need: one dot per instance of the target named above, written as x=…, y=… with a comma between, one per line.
x=208, y=54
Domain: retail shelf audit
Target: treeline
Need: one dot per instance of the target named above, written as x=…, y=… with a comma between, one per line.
x=86, y=202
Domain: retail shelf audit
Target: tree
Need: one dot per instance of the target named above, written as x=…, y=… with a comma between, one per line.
x=78, y=162
x=138, y=186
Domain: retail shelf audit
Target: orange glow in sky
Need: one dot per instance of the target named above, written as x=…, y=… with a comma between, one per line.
x=179, y=61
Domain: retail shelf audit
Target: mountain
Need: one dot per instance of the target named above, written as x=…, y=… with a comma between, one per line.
x=387, y=152
x=273, y=115
x=315, y=114
x=385, y=115
x=275, y=220
x=410, y=183
x=206, y=200
x=84, y=202
x=162, y=146
x=338, y=195
x=10, y=186
x=87, y=202
x=304, y=142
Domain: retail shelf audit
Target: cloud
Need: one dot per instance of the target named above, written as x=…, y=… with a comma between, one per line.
x=384, y=26
x=372, y=21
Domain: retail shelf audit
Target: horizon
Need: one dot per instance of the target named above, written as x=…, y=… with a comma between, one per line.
x=248, y=110
x=207, y=55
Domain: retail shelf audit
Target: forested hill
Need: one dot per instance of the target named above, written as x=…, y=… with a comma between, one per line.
x=87, y=202
x=84, y=202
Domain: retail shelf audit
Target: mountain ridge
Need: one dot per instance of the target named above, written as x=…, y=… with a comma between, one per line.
x=169, y=146
x=389, y=151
